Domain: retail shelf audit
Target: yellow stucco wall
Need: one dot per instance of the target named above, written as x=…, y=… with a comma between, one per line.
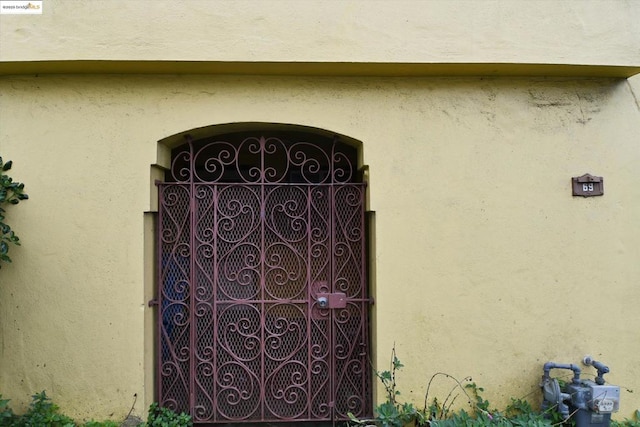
x=485, y=264
x=513, y=31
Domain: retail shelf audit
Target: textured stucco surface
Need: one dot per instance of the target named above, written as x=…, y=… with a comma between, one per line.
x=485, y=264
x=600, y=32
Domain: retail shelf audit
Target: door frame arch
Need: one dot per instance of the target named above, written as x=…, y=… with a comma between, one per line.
x=164, y=158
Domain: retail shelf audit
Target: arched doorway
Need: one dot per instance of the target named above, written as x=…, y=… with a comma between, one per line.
x=263, y=299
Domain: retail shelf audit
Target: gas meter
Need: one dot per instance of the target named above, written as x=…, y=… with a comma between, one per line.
x=589, y=403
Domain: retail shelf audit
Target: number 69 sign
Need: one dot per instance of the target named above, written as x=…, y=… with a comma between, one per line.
x=587, y=185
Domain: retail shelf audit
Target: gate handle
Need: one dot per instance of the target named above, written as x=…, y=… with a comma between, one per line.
x=334, y=300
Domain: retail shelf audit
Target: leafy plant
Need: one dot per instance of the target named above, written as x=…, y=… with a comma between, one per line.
x=627, y=422
x=437, y=410
x=10, y=193
x=164, y=417
x=6, y=414
x=42, y=412
x=102, y=424
x=391, y=413
x=518, y=414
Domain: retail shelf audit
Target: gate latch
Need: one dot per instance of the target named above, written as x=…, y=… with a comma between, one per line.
x=334, y=300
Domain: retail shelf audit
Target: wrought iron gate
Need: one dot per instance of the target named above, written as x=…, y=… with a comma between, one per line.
x=263, y=303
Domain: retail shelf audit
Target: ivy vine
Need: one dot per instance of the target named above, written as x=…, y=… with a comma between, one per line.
x=10, y=193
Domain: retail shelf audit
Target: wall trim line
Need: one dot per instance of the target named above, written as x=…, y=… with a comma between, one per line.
x=316, y=68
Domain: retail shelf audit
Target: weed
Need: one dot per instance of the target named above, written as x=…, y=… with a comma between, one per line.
x=101, y=424
x=43, y=412
x=627, y=422
x=6, y=414
x=164, y=417
x=393, y=413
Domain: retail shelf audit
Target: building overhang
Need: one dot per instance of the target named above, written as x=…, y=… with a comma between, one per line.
x=353, y=69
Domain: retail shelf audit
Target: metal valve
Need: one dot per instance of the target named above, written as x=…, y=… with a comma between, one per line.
x=323, y=302
x=588, y=403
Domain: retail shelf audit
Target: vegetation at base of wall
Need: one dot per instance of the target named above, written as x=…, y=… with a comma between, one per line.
x=10, y=193
x=163, y=417
x=440, y=413
x=43, y=412
x=627, y=422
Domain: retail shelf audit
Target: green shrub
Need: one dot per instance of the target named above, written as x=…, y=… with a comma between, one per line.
x=518, y=414
x=6, y=414
x=164, y=417
x=41, y=412
x=10, y=193
x=628, y=422
x=393, y=413
x=44, y=413
x=101, y=424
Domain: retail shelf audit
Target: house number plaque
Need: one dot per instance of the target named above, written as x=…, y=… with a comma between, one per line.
x=587, y=185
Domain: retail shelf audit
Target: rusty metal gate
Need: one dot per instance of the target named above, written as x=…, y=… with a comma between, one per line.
x=263, y=303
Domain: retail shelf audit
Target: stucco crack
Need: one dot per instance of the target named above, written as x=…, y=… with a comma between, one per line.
x=634, y=95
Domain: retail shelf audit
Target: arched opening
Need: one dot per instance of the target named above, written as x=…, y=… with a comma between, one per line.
x=261, y=265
